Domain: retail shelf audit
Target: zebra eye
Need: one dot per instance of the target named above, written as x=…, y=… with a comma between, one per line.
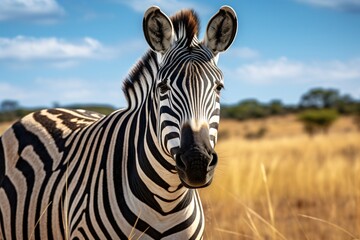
x=219, y=86
x=163, y=86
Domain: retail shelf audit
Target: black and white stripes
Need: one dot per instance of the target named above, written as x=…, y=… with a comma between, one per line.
x=73, y=174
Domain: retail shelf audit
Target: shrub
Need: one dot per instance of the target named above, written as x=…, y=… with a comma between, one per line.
x=318, y=120
x=247, y=109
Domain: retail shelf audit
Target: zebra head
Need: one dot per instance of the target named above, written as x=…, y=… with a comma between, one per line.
x=187, y=87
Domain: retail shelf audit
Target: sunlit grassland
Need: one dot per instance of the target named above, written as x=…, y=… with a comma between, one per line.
x=285, y=185
x=3, y=127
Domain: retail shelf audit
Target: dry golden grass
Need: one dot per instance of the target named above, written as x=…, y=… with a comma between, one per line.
x=285, y=185
x=4, y=126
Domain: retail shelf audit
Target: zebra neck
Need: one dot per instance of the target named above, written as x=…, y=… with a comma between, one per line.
x=151, y=170
x=151, y=174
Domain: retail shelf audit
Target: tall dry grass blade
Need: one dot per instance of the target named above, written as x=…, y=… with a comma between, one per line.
x=38, y=221
x=132, y=234
x=234, y=233
x=331, y=224
x=252, y=225
x=213, y=216
x=270, y=208
x=254, y=213
x=142, y=234
x=301, y=227
x=267, y=223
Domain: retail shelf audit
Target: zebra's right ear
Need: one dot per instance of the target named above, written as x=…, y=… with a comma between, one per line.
x=158, y=30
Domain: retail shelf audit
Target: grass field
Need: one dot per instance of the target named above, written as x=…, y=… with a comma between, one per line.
x=4, y=126
x=284, y=184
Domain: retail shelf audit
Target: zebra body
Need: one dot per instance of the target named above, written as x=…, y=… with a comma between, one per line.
x=73, y=174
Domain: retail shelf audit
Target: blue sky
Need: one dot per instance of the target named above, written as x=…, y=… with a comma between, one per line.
x=80, y=51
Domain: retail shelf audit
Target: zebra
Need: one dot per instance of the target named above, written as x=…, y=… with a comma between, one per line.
x=75, y=174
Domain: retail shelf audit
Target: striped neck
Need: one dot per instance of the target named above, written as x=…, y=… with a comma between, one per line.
x=150, y=169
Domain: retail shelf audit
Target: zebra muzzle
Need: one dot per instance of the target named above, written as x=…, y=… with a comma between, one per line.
x=195, y=160
x=196, y=169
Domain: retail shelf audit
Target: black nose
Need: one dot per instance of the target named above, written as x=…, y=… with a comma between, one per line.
x=196, y=168
x=195, y=160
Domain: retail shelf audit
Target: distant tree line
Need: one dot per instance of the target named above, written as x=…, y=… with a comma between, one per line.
x=314, y=99
x=318, y=109
x=252, y=108
x=10, y=110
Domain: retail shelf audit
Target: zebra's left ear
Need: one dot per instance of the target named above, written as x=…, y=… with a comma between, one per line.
x=158, y=30
x=221, y=30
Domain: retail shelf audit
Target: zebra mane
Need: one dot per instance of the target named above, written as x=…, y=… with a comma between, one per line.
x=140, y=73
x=186, y=26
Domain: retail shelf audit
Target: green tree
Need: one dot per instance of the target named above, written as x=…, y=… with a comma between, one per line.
x=276, y=107
x=346, y=105
x=320, y=98
x=8, y=110
x=246, y=109
x=318, y=120
x=9, y=105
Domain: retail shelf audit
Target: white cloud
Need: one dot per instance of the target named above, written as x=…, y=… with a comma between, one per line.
x=78, y=90
x=29, y=48
x=268, y=71
x=33, y=10
x=243, y=52
x=45, y=91
x=9, y=91
x=68, y=89
x=286, y=79
x=61, y=53
x=168, y=6
x=342, y=5
x=285, y=70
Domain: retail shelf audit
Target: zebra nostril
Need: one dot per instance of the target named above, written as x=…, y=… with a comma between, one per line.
x=180, y=163
x=213, y=161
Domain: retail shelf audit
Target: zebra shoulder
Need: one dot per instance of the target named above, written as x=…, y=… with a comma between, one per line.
x=44, y=132
x=57, y=123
